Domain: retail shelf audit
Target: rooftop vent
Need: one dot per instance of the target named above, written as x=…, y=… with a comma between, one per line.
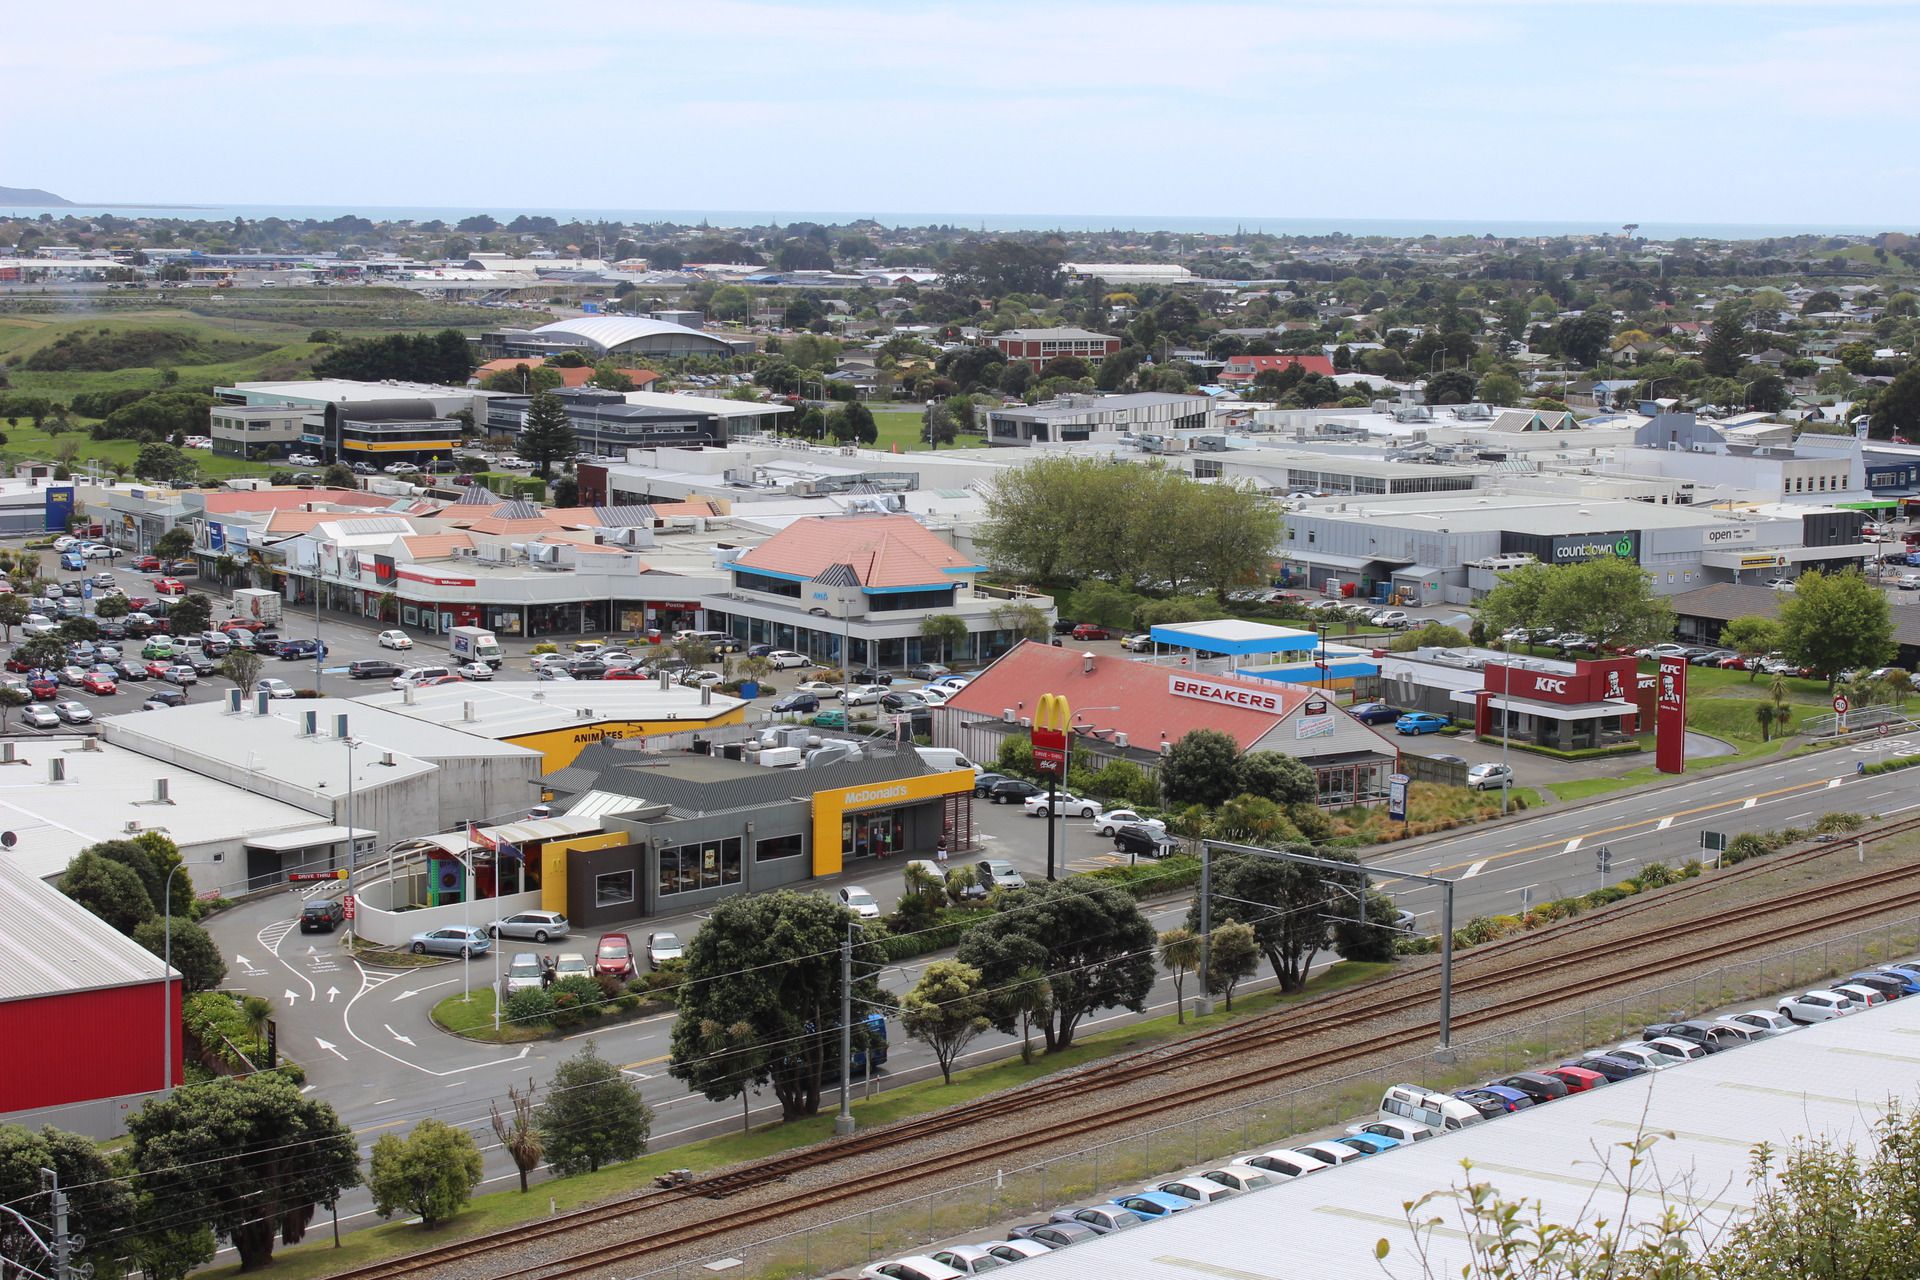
x=162, y=791
x=260, y=703
x=56, y=770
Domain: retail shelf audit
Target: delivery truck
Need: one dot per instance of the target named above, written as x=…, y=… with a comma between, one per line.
x=474, y=644
x=256, y=605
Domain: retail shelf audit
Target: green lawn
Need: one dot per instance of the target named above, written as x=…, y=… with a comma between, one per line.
x=899, y=428
x=317, y=1257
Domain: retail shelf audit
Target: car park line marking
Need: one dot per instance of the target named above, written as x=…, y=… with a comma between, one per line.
x=1335, y=1210
x=1474, y=870
x=1575, y=1180
x=1874, y=1053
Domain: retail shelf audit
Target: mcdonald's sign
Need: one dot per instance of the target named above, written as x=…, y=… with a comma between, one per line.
x=1052, y=721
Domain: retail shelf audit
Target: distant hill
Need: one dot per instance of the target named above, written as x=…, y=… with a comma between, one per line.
x=32, y=198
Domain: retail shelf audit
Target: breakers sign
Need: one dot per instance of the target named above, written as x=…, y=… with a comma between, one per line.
x=1226, y=694
x=1595, y=546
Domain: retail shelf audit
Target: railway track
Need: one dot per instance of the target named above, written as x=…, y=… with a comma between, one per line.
x=1498, y=965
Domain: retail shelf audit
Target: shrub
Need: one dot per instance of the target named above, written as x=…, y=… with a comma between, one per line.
x=1654, y=875
x=1833, y=822
x=529, y=1007
x=1743, y=847
x=586, y=992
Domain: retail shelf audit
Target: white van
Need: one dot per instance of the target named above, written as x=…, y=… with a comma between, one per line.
x=947, y=758
x=1437, y=1111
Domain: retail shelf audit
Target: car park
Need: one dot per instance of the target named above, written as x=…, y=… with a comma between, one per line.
x=1815, y=1006
x=1101, y=1219
x=536, y=926
x=859, y=901
x=1489, y=777
x=614, y=956
x=1113, y=819
x=1419, y=722
x=998, y=873
x=662, y=947
x=322, y=915
x=1062, y=803
x=461, y=940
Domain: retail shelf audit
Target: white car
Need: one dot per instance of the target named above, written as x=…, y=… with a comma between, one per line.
x=1391, y=618
x=274, y=688
x=1288, y=1163
x=697, y=678
x=1760, y=1022
x=1331, y=1152
x=1072, y=806
x=1402, y=1131
x=781, y=659
x=1816, y=1006
x=1675, y=1047
x=859, y=901
x=73, y=712
x=935, y=695
x=1114, y=819
x=1646, y=1055
x=917, y=1267
x=1240, y=1177
x=474, y=671
x=65, y=542
x=397, y=640
x=1779, y=584
x=1862, y=995
x=1489, y=777
x=101, y=551
x=538, y=660
x=818, y=688
x=1661, y=651
x=40, y=716
x=865, y=694
x=1199, y=1189
x=402, y=469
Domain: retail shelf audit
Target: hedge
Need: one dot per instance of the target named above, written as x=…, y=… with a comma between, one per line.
x=1892, y=763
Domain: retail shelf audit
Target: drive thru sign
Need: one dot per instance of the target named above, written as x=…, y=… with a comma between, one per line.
x=1051, y=721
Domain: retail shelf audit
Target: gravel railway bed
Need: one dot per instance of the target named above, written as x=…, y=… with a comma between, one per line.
x=1763, y=904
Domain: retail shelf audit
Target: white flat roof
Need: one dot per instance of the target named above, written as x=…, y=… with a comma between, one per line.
x=1832, y=1080
x=106, y=789
x=512, y=711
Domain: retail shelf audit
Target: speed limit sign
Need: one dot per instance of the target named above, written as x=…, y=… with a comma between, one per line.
x=1840, y=704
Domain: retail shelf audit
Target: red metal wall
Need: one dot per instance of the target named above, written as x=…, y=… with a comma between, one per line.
x=85, y=1045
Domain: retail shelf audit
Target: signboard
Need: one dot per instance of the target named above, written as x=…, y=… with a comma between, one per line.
x=1670, y=716
x=1597, y=680
x=216, y=536
x=1052, y=720
x=348, y=903
x=1573, y=549
x=1397, y=797
x=1321, y=728
x=1766, y=560
x=1222, y=694
x=1840, y=704
x=1713, y=841
x=59, y=507
x=1733, y=535
x=308, y=877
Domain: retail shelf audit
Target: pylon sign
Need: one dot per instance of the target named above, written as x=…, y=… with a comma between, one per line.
x=1051, y=722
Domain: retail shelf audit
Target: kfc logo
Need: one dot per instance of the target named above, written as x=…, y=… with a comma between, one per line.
x=1542, y=684
x=1669, y=689
x=1613, y=686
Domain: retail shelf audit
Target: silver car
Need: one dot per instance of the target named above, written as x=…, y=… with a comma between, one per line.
x=539, y=926
x=73, y=712
x=40, y=716
x=525, y=973
x=454, y=940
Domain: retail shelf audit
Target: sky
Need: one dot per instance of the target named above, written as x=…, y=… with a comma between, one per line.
x=1790, y=111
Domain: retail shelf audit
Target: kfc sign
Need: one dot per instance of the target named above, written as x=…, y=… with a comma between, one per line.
x=1231, y=695
x=1670, y=717
x=1602, y=680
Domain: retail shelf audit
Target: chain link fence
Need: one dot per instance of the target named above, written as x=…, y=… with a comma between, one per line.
x=1296, y=1115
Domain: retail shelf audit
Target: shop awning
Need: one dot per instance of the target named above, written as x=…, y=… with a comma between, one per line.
x=1353, y=564
x=567, y=824
x=305, y=838
x=1553, y=710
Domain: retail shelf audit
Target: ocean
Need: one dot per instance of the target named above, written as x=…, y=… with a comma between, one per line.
x=1395, y=228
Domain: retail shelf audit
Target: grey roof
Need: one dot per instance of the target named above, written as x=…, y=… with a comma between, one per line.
x=837, y=575
x=709, y=784
x=1725, y=601
x=473, y=496
x=1056, y=335
x=518, y=509
x=52, y=944
x=624, y=516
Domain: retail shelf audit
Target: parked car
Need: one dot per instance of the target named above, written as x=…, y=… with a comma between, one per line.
x=1537, y=1085
x=998, y=873
x=1055, y=1235
x=1070, y=805
x=898, y=700
x=147, y=564
x=917, y=1267
x=1395, y=618
x=525, y=973
x=295, y=650
x=1101, y=1219
x=1494, y=1100
x=1198, y=1188
x=1761, y=1022
x=1089, y=631
x=1418, y=722
x=1646, y=1055
x=1153, y=1204
x=1012, y=791
x=96, y=683
x=1142, y=841
x=180, y=673
x=1369, y=1144
x=278, y=689
x=161, y=698
x=859, y=901
x=418, y=675
x=465, y=941
x=796, y=704
x=1402, y=1131
x=822, y=689
x=372, y=669
x=662, y=947
x=784, y=659
x=474, y=671
x=71, y=712
x=871, y=675
x=539, y=926
x=1375, y=713
x=983, y=783
x=1489, y=777
x=928, y=671
x=571, y=964
x=322, y=916
x=1113, y=819
x=1815, y=1006
x=614, y=956
x=1577, y=1079
x=40, y=716
x=1288, y=1163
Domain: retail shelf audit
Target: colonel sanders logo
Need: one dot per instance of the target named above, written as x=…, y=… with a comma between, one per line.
x=1613, y=685
x=1669, y=688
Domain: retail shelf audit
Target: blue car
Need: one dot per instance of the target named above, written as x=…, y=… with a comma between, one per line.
x=1375, y=713
x=294, y=650
x=1369, y=1144
x=1416, y=722
x=1155, y=1204
x=1492, y=1099
x=73, y=560
x=1908, y=973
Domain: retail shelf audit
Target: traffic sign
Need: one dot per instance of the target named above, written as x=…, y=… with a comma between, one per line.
x=307, y=877
x=1603, y=859
x=1840, y=704
x=348, y=903
x=1713, y=841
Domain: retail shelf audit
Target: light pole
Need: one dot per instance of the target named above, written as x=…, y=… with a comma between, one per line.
x=166, y=981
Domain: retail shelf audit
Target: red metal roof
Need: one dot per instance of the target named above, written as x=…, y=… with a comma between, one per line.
x=885, y=551
x=1247, y=368
x=241, y=501
x=1147, y=712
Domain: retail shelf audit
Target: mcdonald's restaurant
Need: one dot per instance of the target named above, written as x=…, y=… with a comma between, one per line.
x=682, y=829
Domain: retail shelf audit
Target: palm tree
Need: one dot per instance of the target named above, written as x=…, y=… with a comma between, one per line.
x=1763, y=715
x=1027, y=997
x=1180, y=953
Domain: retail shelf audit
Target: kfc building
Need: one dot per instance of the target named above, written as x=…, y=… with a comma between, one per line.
x=1568, y=706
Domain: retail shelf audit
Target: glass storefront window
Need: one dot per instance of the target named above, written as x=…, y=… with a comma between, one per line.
x=613, y=889
x=779, y=847
x=707, y=865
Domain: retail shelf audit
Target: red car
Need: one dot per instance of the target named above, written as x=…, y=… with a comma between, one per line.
x=626, y=673
x=1577, y=1079
x=434, y=680
x=136, y=603
x=1087, y=631
x=95, y=682
x=147, y=564
x=614, y=956
x=14, y=664
x=169, y=587
x=44, y=688
x=158, y=667
x=241, y=624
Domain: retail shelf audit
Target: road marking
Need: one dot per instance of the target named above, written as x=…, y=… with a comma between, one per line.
x=406, y=1040
x=1474, y=870
x=330, y=1049
x=375, y=1128
x=645, y=1062
x=1902, y=809
x=1793, y=817
x=332, y=994
x=1665, y=823
x=1573, y=844
x=414, y=991
x=293, y=997
x=384, y=1101
x=1834, y=782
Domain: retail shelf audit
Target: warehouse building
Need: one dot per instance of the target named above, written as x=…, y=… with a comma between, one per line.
x=1097, y=419
x=605, y=424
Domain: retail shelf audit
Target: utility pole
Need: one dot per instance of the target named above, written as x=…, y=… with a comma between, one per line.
x=63, y=1244
x=843, y=1123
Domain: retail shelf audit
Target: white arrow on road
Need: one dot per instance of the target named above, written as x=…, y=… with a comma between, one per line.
x=406, y=1040
x=293, y=997
x=331, y=993
x=247, y=966
x=330, y=1049
x=403, y=995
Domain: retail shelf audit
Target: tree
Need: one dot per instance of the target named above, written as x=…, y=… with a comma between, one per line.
x=1432, y=635
x=1025, y=621
x=46, y=652
x=1897, y=410
x=1725, y=354
x=1499, y=388
x=430, y=1173
x=547, y=436
x=243, y=667
x=1021, y=999
x=195, y=954
x=1372, y=937
x=1202, y=768
x=1609, y=600
x=1102, y=604
x=1450, y=386
x=1275, y=776
x=1180, y=955
x=949, y=629
x=1091, y=942
x=174, y=544
x=100, y=1205
x=1232, y=957
x=593, y=1115
x=946, y=1010
x=1583, y=337
x=1768, y=393
x=771, y=961
x=339, y=476
x=1287, y=903
x=1750, y=636
x=566, y=491
x=247, y=1156
x=111, y=606
x=161, y=462
x=937, y=426
x=13, y=612
x=853, y=423
x=190, y=614
x=1835, y=622
x=11, y=697
x=525, y=380
x=108, y=889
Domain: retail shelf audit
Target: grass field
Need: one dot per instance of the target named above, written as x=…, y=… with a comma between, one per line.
x=317, y=1257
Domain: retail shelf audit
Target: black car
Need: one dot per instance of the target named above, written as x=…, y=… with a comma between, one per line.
x=1536, y=1085
x=1064, y=626
x=1686, y=1033
x=322, y=917
x=113, y=629
x=1013, y=791
x=1491, y=1106
x=587, y=670
x=1886, y=984
x=872, y=675
x=1054, y=1235
x=759, y=650
x=130, y=669
x=984, y=783
x=372, y=669
x=1144, y=842
x=902, y=701
x=1615, y=1069
x=166, y=698
x=802, y=703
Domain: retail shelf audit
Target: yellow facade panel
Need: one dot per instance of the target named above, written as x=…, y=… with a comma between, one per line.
x=830, y=807
x=560, y=747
